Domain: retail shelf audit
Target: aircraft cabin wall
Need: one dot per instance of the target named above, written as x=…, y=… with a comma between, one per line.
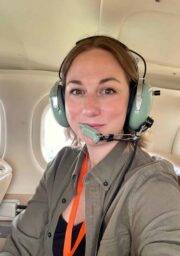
x=24, y=98
x=24, y=95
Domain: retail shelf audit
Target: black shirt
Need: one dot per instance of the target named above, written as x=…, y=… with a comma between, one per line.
x=59, y=235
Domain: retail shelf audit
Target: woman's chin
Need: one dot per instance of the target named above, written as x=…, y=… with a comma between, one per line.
x=89, y=141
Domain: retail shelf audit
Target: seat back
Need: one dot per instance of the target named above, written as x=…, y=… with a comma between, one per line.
x=5, y=177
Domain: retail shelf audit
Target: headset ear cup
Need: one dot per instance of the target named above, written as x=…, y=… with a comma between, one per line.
x=141, y=106
x=56, y=97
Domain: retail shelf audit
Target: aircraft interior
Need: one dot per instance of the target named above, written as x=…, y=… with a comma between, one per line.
x=35, y=37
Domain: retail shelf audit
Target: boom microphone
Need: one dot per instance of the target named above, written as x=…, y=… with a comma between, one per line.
x=97, y=136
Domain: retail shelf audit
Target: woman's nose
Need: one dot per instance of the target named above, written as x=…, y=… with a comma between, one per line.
x=91, y=106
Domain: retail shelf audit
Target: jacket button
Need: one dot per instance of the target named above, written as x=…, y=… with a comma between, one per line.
x=105, y=183
x=49, y=234
x=64, y=200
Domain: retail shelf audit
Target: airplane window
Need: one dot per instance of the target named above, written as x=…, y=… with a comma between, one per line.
x=52, y=136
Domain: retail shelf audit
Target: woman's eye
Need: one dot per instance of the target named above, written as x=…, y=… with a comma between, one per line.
x=108, y=91
x=76, y=91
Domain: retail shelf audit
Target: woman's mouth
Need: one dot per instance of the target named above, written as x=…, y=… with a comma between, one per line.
x=95, y=125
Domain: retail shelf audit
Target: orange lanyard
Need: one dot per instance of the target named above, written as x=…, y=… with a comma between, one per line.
x=67, y=251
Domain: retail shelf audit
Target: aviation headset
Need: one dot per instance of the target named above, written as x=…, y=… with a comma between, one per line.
x=139, y=102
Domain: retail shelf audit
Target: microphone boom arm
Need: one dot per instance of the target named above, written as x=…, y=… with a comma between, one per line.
x=96, y=136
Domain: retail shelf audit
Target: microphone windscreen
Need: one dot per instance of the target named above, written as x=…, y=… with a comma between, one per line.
x=90, y=132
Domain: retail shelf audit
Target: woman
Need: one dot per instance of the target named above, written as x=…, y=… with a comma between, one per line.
x=109, y=197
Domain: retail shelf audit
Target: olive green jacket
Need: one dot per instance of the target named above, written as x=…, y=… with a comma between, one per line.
x=143, y=219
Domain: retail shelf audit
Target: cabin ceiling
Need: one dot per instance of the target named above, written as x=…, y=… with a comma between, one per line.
x=37, y=34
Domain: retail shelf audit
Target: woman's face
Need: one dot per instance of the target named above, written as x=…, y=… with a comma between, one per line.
x=96, y=93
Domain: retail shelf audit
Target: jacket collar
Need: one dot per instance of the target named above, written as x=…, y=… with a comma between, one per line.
x=111, y=166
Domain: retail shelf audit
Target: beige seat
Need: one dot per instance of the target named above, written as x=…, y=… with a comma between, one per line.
x=5, y=177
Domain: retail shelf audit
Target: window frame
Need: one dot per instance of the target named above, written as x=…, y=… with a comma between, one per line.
x=36, y=121
x=37, y=132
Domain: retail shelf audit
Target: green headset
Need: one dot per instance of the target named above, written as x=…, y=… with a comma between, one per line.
x=138, y=109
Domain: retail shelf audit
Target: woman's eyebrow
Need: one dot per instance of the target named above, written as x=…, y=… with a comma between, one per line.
x=104, y=80
x=78, y=82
